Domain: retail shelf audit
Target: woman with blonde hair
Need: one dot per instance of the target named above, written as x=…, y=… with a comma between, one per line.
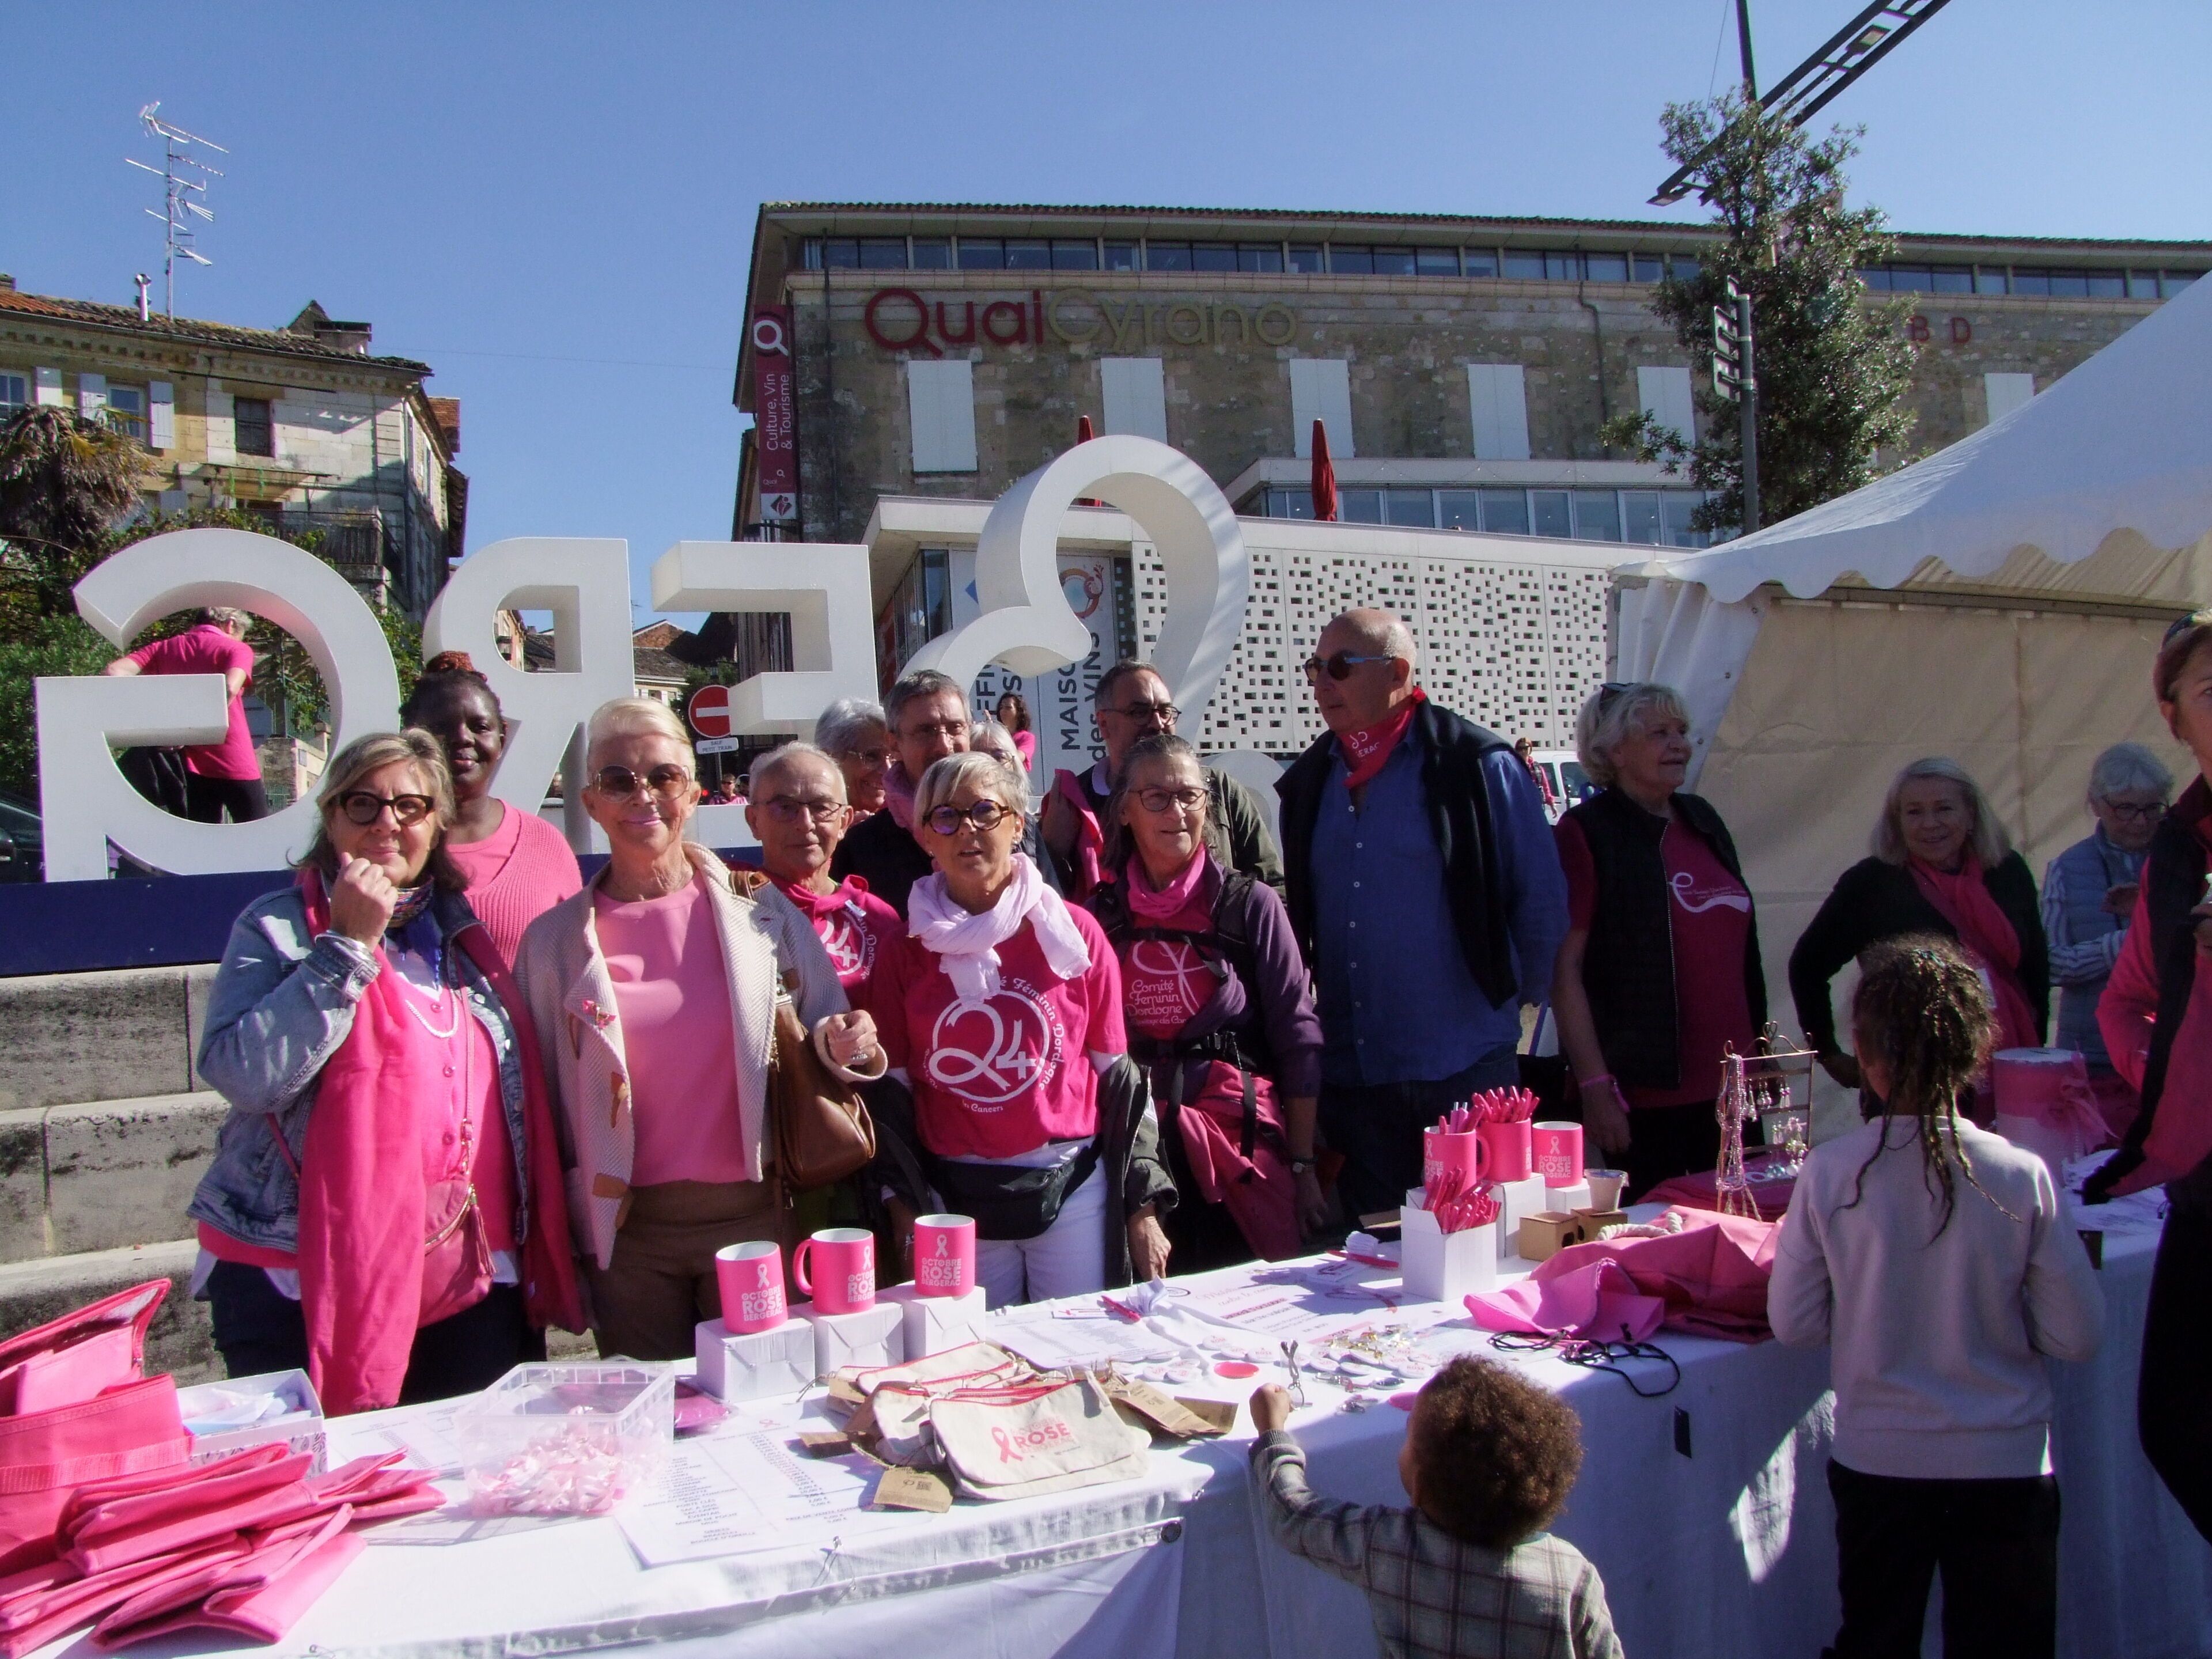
x=1660, y=972
x=1941, y=864
x=386, y=1209
x=655, y=991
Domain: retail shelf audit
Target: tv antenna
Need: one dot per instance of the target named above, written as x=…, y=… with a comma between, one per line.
x=183, y=179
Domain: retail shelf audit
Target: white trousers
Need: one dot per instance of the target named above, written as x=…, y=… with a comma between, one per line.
x=1066, y=1259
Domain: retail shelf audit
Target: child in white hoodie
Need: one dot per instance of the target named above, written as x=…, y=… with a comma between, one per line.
x=1938, y=1261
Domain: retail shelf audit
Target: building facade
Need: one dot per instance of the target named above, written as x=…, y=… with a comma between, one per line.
x=300, y=425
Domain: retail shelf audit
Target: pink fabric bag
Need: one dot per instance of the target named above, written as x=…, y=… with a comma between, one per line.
x=1711, y=1277
x=1260, y=1193
x=173, y=1605
x=1597, y=1300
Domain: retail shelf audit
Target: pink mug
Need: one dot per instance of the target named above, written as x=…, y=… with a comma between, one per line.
x=1454, y=1160
x=751, y=1278
x=1559, y=1149
x=944, y=1254
x=846, y=1257
x=1506, y=1148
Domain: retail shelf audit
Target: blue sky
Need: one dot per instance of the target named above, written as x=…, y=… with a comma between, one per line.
x=553, y=204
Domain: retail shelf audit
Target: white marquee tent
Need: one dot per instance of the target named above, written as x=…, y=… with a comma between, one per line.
x=1999, y=602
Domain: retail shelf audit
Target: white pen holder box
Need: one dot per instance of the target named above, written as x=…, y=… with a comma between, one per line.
x=1576, y=1196
x=1442, y=1267
x=873, y=1336
x=752, y=1364
x=933, y=1323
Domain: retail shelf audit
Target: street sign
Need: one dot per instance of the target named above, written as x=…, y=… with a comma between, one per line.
x=710, y=711
x=716, y=746
x=1731, y=365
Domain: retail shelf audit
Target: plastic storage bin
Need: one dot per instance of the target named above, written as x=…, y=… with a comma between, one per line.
x=572, y=1440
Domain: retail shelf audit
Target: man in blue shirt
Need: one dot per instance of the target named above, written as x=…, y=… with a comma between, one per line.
x=1427, y=892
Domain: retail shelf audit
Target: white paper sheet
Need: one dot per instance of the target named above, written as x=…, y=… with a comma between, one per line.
x=753, y=1489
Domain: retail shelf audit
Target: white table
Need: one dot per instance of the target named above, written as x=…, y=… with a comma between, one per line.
x=1726, y=1549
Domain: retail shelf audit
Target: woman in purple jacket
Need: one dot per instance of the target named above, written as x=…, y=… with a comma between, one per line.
x=1220, y=1013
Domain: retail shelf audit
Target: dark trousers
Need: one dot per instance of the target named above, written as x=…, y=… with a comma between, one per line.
x=1665, y=1141
x=2173, y=1399
x=1377, y=1130
x=260, y=1329
x=1995, y=1542
x=206, y=799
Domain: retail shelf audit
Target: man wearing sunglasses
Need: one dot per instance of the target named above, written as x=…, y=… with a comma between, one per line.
x=1425, y=890
x=1132, y=701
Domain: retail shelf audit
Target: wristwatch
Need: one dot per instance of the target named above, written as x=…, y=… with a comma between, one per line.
x=1300, y=1165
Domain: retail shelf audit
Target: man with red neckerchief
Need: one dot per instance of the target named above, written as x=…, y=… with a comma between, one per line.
x=1426, y=893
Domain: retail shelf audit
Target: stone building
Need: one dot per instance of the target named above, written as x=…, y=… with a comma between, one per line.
x=299, y=424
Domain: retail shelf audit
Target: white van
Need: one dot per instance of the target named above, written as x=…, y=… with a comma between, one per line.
x=1570, y=784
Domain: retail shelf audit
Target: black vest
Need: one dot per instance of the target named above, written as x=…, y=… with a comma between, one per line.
x=1628, y=965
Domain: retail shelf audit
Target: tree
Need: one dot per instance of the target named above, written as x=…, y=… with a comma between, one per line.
x=1834, y=367
x=64, y=481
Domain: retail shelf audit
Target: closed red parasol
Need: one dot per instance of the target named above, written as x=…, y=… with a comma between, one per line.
x=1324, y=477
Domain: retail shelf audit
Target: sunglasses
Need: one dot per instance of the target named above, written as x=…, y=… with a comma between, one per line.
x=667, y=779
x=1338, y=665
x=2181, y=625
x=1161, y=801
x=789, y=809
x=364, y=808
x=984, y=815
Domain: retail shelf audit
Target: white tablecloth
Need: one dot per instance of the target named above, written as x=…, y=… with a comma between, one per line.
x=1705, y=1510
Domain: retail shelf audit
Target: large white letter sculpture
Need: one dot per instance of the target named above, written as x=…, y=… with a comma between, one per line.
x=86, y=801
x=1027, y=623
x=585, y=585
x=833, y=640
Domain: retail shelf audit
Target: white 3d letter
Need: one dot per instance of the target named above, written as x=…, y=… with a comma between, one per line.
x=585, y=585
x=86, y=800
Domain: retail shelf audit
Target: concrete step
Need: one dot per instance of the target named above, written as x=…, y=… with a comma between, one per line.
x=181, y=1341
x=102, y=1175
x=75, y=1038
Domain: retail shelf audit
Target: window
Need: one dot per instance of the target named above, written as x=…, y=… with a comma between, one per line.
x=256, y=431
x=1666, y=396
x=1479, y=261
x=1028, y=255
x=1359, y=505
x=1649, y=268
x=1519, y=262
x=2030, y=281
x=1605, y=267
x=1260, y=255
x=843, y=254
x=1074, y=256
x=1435, y=262
x=1989, y=279
x=1548, y=507
x=1167, y=256
x=2070, y=284
x=1645, y=526
x=1305, y=256
x=1321, y=389
x=2142, y=285
x=1562, y=267
x=1355, y=261
x=1414, y=510
x=1685, y=268
x=1394, y=262
x=1652, y=518
x=1497, y=405
x=1289, y=504
x=932, y=254
x=941, y=404
x=2007, y=393
x=1676, y=508
x=2178, y=280
x=982, y=253
x=1121, y=256
x=1877, y=278
x=1954, y=279
x=1459, y=509
x=14, y=393
x=1213, y=256
x=1917, y=279
x=1597, y=515
x=1133, y=391
x=2107, y=284
x=883, y=253
x=1506, y=512
x=126, y=410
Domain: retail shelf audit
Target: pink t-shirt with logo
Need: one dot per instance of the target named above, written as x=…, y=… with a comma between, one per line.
x=855, y=928
x=1165, y=981
x=1002, y=1078
x=673, y=996
x=1710, y=914
x=207, y=649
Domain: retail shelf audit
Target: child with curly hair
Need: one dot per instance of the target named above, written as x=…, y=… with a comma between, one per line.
x=1937, y=1261
x=1469, y=1572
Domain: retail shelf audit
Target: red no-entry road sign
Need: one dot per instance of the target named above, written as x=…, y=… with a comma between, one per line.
x=710, y=711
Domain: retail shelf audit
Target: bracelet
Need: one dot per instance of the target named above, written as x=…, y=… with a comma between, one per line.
x=1587, y=1083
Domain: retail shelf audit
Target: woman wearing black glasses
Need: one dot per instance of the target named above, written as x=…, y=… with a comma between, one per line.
x=1001, y=1011
x=386, y=1209
x=653, y=992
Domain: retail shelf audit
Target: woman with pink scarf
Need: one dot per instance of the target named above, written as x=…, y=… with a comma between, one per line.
x=1000, y=1009
x=1941, y=864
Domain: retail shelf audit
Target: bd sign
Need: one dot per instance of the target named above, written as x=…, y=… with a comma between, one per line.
x=1026, y=623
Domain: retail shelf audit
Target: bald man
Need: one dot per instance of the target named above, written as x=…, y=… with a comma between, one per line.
x=1426, y=893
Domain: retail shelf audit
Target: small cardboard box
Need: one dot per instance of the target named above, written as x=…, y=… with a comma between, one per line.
x=1545, y=1234
x=874, y=1336
x=752, y=1364
x=300, y=1430
x=1442, y=1267
x=1595, y=1221
x=933, y=1323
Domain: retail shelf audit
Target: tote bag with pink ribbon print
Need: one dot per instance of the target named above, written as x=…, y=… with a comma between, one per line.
x=1021, y=1442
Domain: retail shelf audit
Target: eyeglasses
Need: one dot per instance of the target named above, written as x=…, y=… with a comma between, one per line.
x=789, y=809
x=984, y=815
x=1339, y=665
x=2127, y=814
x=935, y=729
x=364, y=808
x=1162, y=713
x=1162, y=801
x=666, y=779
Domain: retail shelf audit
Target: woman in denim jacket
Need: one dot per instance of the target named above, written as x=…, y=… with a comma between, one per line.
x=386, y=1209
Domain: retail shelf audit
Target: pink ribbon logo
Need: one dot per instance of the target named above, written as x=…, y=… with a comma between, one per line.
x=1007, y=1454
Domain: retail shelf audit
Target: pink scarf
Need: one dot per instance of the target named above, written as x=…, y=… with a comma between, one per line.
x=1991, y=943
x=898, y=795
x=1090, y=839
x=1366, y=750
x=967, y=943
x=1161, y=906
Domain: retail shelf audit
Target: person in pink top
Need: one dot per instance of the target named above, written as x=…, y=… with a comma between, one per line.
x=1014, y=714
x=653, y=994
x=518, y=867
x=798, y=811
x=220, y=777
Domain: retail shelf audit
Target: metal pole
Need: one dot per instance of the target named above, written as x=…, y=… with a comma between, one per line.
x=1748, y=401
x=1743, y=46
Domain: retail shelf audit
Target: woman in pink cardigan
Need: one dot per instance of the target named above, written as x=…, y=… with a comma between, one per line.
x=516, y=864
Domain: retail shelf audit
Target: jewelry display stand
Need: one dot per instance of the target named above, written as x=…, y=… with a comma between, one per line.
x=1776, y=1079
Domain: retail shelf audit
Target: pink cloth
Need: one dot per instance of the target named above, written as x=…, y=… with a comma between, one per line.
x=1991, y=943
x=1367, y=749
x=1025, y=747
x=1596, y=1300
x=1090, y=839
x=1165, y=981
x=854, y=926
x=672, y=995
x=1711, y=1277
x=207, y=649
x=2180, y=1135
x=1260, y=1193
x=1003, y=1074
x=469, y=1105
x=516, y=874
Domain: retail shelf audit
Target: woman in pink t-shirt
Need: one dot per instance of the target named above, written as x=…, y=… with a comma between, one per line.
x=518, y=867
x=654, y=991
x=1002, y=1008
x=1660, y=972
x=797, y=810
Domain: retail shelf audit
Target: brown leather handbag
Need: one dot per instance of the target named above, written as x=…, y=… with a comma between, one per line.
x=823, y=1133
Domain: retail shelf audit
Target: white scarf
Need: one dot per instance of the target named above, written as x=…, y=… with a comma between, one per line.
x=967, y=944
